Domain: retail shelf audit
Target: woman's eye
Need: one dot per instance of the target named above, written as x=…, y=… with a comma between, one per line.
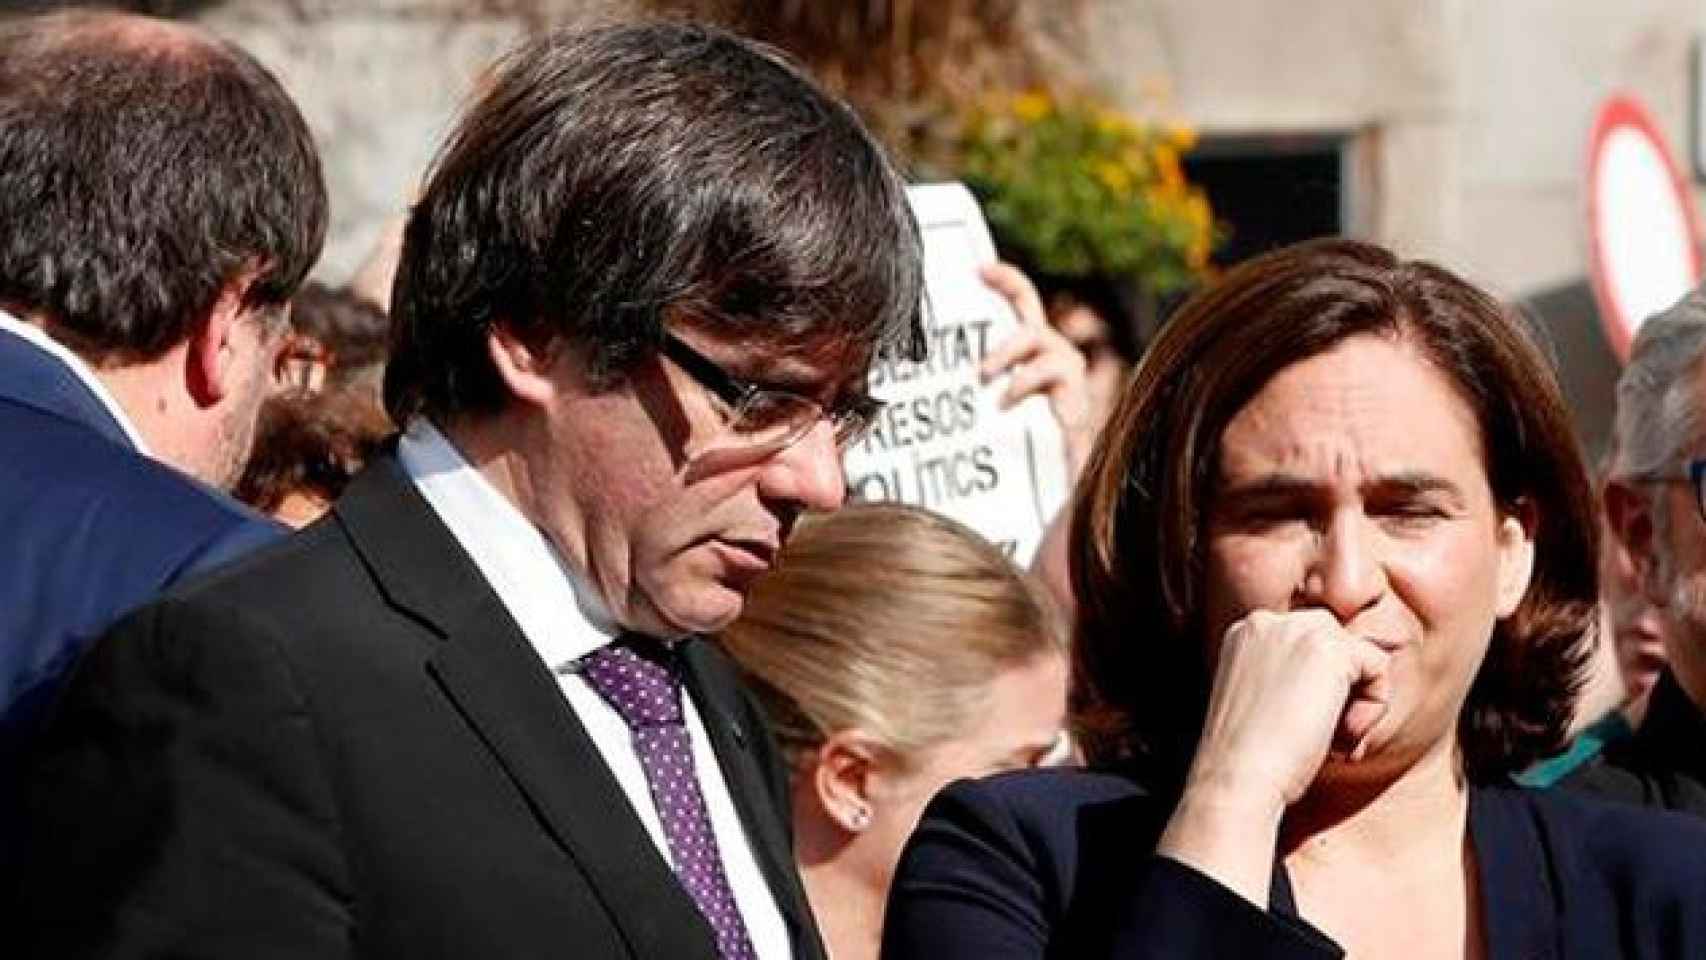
x=1411, y=515
x=1274, y=518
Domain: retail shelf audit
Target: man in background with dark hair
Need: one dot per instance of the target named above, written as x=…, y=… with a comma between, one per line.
x=469, y=713
x=160, y=200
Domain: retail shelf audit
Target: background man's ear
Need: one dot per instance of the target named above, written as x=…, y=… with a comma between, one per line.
x=212, y=360
x=1629, y=514
x=842, y=776
x=524, y=367
x=215, y=360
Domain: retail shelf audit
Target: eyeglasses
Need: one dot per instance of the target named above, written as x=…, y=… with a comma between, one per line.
x=1696, y=470
x=767, y=419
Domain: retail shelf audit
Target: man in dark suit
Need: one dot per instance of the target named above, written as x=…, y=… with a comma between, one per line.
x=466, y=714
x=160, y=199
x=1655, y=503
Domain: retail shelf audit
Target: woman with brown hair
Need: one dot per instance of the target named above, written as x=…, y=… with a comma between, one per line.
x=1335, y=562
x=895, y=650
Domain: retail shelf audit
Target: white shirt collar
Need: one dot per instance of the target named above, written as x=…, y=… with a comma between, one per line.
x=37, y=336
x=557, y=613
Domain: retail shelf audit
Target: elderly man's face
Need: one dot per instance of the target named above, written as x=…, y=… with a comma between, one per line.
x=645, y=490
x=1637, y=625
x=1678, y=580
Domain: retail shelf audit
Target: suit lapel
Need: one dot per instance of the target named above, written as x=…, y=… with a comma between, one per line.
x=495, y=680
x=715, y=689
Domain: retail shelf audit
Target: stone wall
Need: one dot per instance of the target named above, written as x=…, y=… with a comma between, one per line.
x=379, y=82
x=1469, y=117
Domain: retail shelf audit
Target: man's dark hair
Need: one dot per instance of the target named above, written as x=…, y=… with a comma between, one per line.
x=605, y=181
x=143, y=166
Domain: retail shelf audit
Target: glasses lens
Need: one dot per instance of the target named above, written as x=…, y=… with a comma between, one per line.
x=772, y=419
x=851, y=426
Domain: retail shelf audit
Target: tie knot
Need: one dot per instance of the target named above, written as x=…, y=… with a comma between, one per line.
x=645, y=691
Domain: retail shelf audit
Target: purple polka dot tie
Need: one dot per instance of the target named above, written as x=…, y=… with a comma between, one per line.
x=647, y=694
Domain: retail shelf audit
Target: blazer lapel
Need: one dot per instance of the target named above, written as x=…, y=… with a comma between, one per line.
x=492, y=675
x=715, y=688
x=1518, y=901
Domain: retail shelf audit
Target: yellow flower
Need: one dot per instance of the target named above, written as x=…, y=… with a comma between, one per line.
x=1113, y=176
x=1115, y=123
x=1182, y=137
x=1031, y=107
x=1198, y=212
x=1167, y=168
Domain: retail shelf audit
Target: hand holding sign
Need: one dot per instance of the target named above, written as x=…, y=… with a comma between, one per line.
x=1040, y=361
x=988, y=454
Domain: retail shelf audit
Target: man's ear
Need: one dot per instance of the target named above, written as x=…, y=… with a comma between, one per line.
x=214, y=366
x=1516, y=556
x=524, y=367
x=841, y=779
x=1629, y=514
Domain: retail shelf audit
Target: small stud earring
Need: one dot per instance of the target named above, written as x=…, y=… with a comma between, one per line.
x=861, y=818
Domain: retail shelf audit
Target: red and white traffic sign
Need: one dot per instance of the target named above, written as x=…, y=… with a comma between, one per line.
x=1643, y=226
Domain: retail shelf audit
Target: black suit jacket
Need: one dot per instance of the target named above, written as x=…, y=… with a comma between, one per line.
x=1056, y=864
x=344, y=746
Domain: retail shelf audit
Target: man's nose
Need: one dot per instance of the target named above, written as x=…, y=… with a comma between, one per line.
x=808, y=472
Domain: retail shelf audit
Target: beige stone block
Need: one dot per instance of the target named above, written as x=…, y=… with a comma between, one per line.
x=1518, y=239
x=1300, y=64
x=379, y=94
x=1536, y=72
x=1415, y=188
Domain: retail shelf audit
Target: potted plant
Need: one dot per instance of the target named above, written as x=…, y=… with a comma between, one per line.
x=1092, y=202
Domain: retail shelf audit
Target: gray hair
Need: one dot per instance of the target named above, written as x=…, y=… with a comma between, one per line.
x=1658, y=405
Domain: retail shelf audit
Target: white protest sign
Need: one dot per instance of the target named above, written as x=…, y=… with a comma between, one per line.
x=943, y=442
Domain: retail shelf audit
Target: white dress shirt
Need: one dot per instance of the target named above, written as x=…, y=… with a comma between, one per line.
x=564, y=622
x=38, y=337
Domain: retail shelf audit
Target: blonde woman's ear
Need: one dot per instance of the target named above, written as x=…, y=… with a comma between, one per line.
x=841, y=779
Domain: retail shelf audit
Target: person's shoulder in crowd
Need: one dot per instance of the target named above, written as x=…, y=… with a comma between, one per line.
x=116, y=515
x=94, y=529
x=1588, y=747
x=1049, y=823
x=1661, y=765
x=1612, y=774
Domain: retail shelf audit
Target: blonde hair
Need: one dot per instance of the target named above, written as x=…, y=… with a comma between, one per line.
x=891, y=619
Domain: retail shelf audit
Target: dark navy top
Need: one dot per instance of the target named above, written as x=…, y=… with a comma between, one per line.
x=1055, y=864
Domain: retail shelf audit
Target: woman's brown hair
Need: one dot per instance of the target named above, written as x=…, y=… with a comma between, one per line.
x=1137, y=544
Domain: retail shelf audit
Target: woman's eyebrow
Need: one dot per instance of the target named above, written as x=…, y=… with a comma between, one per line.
x=1416, y=483
x=1404, y=482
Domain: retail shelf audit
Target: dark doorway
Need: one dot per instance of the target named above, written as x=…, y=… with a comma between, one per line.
x=1271, y=190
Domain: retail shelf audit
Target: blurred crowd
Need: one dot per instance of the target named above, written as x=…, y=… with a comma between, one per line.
x=504, y=601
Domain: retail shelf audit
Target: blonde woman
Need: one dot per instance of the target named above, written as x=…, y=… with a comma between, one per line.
x=896, y=651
